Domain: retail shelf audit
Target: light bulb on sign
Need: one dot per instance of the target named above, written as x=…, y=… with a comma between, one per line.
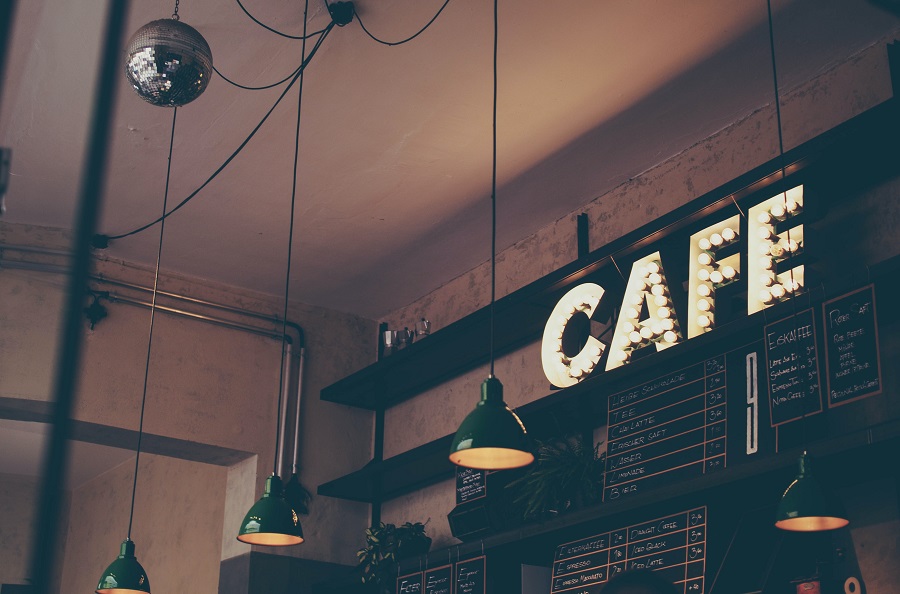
x=657, y=329
x=703, y=274
x=635, y=337
x=631, y=313
x=670, y=336
x=655, y=278
x=777, y=210
x=663, y=312
x=623, y=340
x=704, y=305
x=653, y=267
x=766, y=280
x=704, y=259
x=646, y=332
x=765, y=233
x=792, y=246
x=716, y=239
x=622, y=356
x=704, y=244
x=716, y=277
x=729, y=272
x=667, y=324
x=704, y=290
x=660, y=300
x=766, y=263
x=764, y=218
x=792, y=206
x=729, y=234
x=658, y=290
x=777, y=291
x=777, y=250
x=703, y=321
x=765, y=296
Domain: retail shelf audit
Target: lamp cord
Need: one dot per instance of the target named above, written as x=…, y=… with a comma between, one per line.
x=402, y=41
x=494, y=196
x=162, y=229
x=287, y=275
x=234, y=154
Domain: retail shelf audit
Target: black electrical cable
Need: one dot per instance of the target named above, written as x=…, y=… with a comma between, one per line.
x=494, y=194
x=287, y=274
x=275, y=31
x=246, y=88
x=411, y=37
x=104, y=239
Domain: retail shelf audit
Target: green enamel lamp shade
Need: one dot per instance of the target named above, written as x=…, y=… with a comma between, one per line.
x=805, y=507
x=124, y=574
x=491, y=437
x=271, y=521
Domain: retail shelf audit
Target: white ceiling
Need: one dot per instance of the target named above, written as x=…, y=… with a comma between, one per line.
x=394, y=177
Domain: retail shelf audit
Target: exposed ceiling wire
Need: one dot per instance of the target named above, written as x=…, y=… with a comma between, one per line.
x=102, y=241
x=402, y=41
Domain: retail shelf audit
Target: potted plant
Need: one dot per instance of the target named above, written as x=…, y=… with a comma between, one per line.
x=567, y=473
x=386, y=545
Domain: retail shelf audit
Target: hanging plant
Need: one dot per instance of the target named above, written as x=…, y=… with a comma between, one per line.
x=386, y=545
x=567, y=473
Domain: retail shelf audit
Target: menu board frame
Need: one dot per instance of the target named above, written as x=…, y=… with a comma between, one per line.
x=462, y=489
x=636, y=546
x=829, y=343
x=482, y=562
x=410, y=578
x=449, y=569
x=795, y=322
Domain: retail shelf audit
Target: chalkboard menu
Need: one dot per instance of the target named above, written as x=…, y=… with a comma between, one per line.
x=675, y=546
x=851, y=346
x=470, y=576
x=410, y=584
x=470, y=484
x=439, y=580
x=668, y=429
x=792, y=368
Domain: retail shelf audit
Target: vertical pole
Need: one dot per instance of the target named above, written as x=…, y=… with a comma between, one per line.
x=584, y=241
x=93, y=178
x=378, y=456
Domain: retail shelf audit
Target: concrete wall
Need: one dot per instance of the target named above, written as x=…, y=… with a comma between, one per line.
x=17, y=500
x=835, y=95
x=178, y=510
x=212, y=392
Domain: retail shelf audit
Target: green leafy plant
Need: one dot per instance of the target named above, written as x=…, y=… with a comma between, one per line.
x=567, y=473
x=386, y=545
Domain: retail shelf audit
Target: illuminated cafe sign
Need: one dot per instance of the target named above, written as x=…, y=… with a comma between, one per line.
x=758, y=251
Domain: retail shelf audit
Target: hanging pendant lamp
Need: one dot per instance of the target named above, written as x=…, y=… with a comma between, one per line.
x=272, y=522
x=492, y=437
x=806, y=507
x=124, y=574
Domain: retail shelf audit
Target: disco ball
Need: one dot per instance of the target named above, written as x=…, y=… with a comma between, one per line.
x=168, y=63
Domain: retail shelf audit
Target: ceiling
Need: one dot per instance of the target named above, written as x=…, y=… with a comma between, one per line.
x=394, y=174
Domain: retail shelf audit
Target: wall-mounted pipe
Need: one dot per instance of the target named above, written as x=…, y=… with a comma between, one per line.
x=285, y=396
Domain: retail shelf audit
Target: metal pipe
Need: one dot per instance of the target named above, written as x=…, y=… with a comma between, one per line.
x=124, y=284
x=296, y=464
x=282, y=414
x=113, y=298
x=34, y=250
